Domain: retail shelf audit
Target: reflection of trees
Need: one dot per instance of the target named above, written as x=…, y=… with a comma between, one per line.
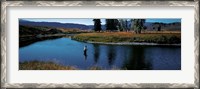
x=96, y=53
x=111, y=54
x=136, y=59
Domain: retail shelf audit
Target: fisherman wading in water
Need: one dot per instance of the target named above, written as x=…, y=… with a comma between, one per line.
x=85, y=51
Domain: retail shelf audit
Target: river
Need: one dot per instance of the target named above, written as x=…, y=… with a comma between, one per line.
x=65, y=51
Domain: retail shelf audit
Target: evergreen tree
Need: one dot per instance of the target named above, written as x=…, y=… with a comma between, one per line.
x=97, y=25
x=112, y=24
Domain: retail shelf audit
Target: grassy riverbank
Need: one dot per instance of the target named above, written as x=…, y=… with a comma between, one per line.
x=114, y=37
x=41, y=65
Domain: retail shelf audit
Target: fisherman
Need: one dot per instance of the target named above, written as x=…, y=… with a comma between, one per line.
x=85, y=50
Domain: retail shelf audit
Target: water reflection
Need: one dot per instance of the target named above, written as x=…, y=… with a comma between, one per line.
x=111, y=55
x=136, y=59
x=96, y=53
x=104, y=56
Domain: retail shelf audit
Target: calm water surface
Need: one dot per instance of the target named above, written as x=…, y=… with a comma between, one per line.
x=68, y=52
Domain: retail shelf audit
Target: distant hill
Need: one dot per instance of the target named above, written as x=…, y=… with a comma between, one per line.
x=152, y=26
x=56, y=25
x=35, y=30
x=149, y=25
x=164, y=26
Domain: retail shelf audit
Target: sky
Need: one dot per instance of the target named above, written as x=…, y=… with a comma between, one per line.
x=163, y=20
x=90, y=22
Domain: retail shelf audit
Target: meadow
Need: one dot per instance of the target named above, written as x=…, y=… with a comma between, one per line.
x=162, y=37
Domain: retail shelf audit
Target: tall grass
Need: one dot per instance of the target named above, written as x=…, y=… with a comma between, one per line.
x=41, y=65
x=161, y=38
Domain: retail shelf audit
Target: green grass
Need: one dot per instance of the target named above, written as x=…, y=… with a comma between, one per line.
x=114, y=37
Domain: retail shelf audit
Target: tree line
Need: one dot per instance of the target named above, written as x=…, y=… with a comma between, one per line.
x=137, y=25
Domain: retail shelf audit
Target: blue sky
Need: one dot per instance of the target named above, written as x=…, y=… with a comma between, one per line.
x=163, y=20
x=90, y=22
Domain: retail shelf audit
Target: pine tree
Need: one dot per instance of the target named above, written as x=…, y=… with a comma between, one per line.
x=97, y=25
x=111, y=24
